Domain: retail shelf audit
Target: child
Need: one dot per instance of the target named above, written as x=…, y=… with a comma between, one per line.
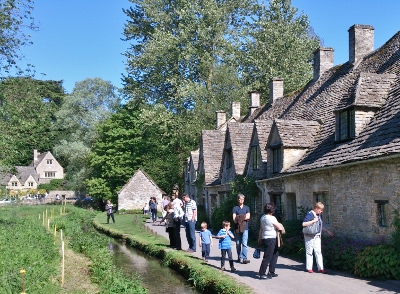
x=205, y=241
x=225, y=237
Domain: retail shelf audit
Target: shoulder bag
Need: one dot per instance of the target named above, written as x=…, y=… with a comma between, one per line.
x=311, y=229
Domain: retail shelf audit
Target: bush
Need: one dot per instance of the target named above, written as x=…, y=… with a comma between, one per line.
x=201, y=216
x=293, y=240
x=223, y=212
x=381, y=261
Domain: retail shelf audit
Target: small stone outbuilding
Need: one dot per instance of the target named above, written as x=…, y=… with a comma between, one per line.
x=137, y=191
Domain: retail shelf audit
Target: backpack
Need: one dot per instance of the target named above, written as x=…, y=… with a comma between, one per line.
x=153, y=205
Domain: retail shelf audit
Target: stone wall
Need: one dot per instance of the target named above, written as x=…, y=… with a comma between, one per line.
x=353, y=191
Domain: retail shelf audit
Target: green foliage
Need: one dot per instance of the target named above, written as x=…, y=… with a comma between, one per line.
x=55, y=184
x=181, y=53
x=151, y=138
x=201, y=216
x=25, y=244
x=15, y=23
x=381, y=261
x=91, y=102
x=84, y=238
x=26, y=118
x=223, y=212
x=280, y=43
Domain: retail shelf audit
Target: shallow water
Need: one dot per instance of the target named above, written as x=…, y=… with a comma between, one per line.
x=155, y=277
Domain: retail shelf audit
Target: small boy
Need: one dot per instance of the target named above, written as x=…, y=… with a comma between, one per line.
x=225, y=237
x=205, y=241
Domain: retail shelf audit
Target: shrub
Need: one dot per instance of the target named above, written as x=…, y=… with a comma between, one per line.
x=223, y=212
x=381, y=261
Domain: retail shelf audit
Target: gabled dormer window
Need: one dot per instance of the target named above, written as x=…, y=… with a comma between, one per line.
x=49, y=161
x=276, y=159
x=346, y=125
x=256, y=154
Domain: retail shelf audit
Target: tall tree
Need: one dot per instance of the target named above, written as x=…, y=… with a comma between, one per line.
x=152, y=138
x=279, y=43
x=15, y=22
x=27, y=109
x=91, y=102
x=181, y=51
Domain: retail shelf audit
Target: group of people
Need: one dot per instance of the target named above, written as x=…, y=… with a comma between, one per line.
x=179, y=213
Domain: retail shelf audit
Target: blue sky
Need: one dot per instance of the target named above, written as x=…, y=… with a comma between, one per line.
x=79, y=39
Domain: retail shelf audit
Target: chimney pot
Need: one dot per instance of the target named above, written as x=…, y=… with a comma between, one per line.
x=221, y=118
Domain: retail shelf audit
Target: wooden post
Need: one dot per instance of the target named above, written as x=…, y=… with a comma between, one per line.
x=63, y=264
x=22, y=272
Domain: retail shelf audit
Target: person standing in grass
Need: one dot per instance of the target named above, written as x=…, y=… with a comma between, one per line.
x=205, y=241
x=225, y=237
x=110, y=211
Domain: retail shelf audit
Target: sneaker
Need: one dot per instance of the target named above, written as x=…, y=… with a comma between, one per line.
x=264, y=277
x=233, y=269
x=240, y=260
x=222, y=268
x=310, y=271
x=323, y=271
x=272, y=275
x=246, y=261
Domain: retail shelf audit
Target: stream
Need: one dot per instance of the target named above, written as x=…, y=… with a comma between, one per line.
x=155, y=277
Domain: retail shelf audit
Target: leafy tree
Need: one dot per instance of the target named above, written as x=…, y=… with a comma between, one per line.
x=151, y=138
x=15, y=22
x=91, y=102
x=27, y=108
x=181, y=51
x=279, y=43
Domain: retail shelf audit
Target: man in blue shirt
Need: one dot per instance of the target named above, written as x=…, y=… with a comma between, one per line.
x=241, y=216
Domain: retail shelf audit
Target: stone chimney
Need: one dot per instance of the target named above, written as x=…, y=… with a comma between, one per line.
x=361, y=42
x=35, y=155
x=323, y=60
x=254, y=101
x=235, y=110
x=275, y=90
x=221, y=118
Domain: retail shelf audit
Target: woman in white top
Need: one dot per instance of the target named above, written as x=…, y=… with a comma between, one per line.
x=267, y=237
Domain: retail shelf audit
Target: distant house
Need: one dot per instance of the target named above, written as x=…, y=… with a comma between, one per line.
x=137, y=191
x=43, y=169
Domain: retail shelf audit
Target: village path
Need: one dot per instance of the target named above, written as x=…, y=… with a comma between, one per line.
x=292, y=277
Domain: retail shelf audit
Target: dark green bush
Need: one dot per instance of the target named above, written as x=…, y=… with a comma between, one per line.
x=223, y=213
x=201, y=216
x=381, y=261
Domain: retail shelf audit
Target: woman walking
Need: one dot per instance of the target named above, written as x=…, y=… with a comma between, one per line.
x=169, y=219
x=267, y=237
x=110, y=211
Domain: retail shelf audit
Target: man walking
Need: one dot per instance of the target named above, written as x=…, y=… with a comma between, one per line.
x=190, y=221
x=241, y=216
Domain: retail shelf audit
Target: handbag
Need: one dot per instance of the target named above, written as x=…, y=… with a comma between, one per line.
x=257, y=253
x=311, y=229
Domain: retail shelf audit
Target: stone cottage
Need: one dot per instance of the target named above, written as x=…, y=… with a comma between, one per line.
x=337, y=140
x=138, y=190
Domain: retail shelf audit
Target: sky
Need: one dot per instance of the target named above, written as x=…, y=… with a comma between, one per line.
x=79, y=39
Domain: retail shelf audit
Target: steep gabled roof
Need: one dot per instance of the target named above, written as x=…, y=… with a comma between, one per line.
x=147, y=176
x=239, y=136
x=262, y=129
x=212, y=144
x=373, y=82
x=194, y=157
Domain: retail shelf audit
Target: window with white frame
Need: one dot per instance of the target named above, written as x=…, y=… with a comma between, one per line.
x=14, y=184
x=49, y=161
x=30, y=184
x=49, y=174
x=324, y=198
